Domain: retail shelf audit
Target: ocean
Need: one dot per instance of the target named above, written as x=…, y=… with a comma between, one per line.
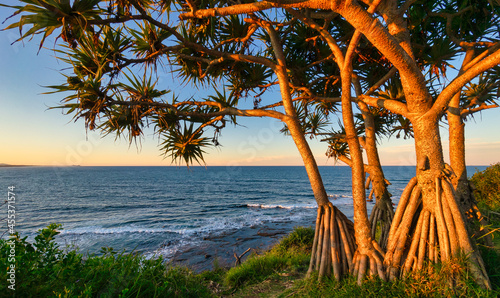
x=190, y=216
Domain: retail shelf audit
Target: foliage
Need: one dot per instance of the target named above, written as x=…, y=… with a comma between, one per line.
x=487, y=187
x=291, y=254
x=45, y=270
x=300, y=238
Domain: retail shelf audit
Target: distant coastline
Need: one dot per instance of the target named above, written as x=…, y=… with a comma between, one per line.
x=4, y=165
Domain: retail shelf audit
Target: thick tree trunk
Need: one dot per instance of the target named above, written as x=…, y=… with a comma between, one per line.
x=428, y=224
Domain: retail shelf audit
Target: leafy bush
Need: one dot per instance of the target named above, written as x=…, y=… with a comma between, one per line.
x=292, y=253
x=487, y=187
x=300, y=238
x=44, y=270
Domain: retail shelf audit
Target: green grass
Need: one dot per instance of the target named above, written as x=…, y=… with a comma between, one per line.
x=289, y=257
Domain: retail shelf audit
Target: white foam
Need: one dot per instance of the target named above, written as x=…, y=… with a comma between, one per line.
x=271, y=206
x=116, y=230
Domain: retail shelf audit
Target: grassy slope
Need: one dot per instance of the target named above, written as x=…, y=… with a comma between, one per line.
x=290, y=281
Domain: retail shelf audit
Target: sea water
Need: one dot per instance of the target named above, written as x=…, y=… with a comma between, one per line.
x=164, y=210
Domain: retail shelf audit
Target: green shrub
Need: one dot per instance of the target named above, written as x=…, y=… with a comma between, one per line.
x=487, y=187
x=291, y=254
x=44, y=270
x=299, y=238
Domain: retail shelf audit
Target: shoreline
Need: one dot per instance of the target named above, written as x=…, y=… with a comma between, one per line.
x=219, y=250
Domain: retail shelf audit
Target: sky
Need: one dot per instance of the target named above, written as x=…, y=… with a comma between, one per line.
x=33, y=134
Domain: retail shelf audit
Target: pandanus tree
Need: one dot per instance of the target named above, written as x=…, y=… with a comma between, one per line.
x=471, y=30
x=475, y=97
x=116, y=49
x=244, y=46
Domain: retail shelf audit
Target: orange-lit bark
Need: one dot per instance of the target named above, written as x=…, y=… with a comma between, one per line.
x=333, y=243
x=382, y=212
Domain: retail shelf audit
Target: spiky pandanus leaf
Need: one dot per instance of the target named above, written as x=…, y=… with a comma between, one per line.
x=45, y=16
x=185, y=144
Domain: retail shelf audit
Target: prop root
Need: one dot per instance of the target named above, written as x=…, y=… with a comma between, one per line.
x=333, y=245
x=430, y=231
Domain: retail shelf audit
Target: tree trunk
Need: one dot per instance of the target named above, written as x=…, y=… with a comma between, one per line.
x=368, y=257
x=334, y=244
x=382, y=213
x=428, y=224
x=465, y=196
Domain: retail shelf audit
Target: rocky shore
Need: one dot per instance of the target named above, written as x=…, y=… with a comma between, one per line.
x=220, y=250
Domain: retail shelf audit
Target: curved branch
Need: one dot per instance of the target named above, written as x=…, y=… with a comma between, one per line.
x=456, y=85
x=482, y=107
x=394, y=106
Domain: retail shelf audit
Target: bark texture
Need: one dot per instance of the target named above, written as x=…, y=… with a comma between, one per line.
x=428, y=224
x=382, y=213
x=333, y=245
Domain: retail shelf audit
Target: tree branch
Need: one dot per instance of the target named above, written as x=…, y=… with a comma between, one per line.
x=394, y=106
x=456, y=85
x=248, y=8
x=482, y=107
x=222, y=112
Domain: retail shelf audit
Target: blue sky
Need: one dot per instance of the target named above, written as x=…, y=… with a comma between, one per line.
x=32, y=134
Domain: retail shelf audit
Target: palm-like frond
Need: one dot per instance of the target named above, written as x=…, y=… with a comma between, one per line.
x=337, y=143
x=45, y=16
x=185, y=144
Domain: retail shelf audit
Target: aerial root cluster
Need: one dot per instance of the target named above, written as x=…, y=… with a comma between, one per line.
x=368, y=260
x=334, y=243
x=381, y=219
x=432, y=232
